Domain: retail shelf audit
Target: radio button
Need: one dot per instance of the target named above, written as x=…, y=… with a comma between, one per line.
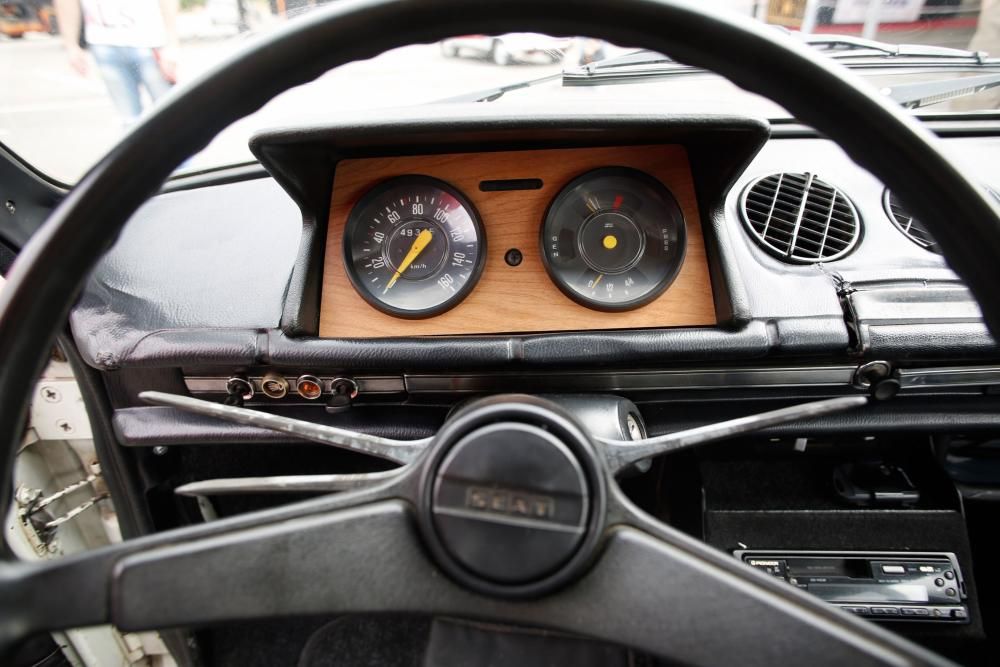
x=959, y=613
x=915, y=611
x=927, y=569
x=885, y=611
x=860, y=611
x=893, y=569
x=949, y=575
x=939, y=582
x=951, y=592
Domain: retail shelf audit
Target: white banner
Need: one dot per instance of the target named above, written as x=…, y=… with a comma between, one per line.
x=893, y=11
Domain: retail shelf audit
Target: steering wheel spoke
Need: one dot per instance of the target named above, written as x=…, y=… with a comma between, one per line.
x=619, y=454
x=74, y=591
x=397, y=451
x=230, y=486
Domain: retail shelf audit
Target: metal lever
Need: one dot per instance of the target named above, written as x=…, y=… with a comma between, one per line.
x=284, y=484
x=619, y=453
x=397, y=451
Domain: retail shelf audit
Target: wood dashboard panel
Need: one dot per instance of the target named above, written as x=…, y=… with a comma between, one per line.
x=519, y=299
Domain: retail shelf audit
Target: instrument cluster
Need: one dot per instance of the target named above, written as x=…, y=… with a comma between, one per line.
x=612, y=239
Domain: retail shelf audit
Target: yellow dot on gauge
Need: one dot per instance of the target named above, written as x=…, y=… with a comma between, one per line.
x=610, y=242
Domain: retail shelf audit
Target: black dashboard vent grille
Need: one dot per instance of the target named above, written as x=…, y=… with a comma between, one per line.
x=800, y=218
x=912, y=228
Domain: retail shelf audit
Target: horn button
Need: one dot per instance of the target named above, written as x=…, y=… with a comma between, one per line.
x=513, y=497
x=510, y=503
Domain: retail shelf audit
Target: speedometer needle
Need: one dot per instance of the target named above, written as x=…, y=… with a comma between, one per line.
x=419, y=243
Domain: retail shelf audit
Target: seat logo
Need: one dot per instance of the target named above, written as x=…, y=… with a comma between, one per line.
x=510, y=502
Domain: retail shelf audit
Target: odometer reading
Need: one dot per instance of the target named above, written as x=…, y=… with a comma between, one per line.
x=613, y=239
x=414, y=246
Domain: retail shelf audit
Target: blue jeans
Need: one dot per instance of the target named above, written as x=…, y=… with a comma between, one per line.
x=126, y=71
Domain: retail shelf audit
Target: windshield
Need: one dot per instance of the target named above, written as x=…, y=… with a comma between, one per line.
x=76, y=75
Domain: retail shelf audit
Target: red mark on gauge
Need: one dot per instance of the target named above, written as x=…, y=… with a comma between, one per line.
x=618, y=202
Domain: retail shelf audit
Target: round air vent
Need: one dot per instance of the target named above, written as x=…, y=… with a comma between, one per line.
x=912, y=228
x=800, y=218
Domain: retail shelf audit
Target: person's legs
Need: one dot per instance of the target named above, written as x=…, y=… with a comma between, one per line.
x=150, y=74
x=120, y=77
x=243, y=24
x=156, y=84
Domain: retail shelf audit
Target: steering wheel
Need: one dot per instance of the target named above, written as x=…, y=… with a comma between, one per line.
x=572, y=553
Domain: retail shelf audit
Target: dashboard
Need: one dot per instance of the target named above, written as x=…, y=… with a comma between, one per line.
x=261, y=277
x=376, y=274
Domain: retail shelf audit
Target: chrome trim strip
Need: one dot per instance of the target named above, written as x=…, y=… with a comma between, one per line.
x=206, y=385
x=949, y=377
x=823, y=376
x=380, y=385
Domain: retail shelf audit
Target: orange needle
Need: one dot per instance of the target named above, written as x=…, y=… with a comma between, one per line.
x=419, y=243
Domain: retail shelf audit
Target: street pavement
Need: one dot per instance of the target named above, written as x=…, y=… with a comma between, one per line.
x=63, y=123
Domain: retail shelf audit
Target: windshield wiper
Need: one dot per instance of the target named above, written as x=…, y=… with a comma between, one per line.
x=852, y=52
x=491, y=94
x=844, y=46
x=834, y=46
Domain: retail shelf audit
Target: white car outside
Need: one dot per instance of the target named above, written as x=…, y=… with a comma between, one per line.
x=514, y=47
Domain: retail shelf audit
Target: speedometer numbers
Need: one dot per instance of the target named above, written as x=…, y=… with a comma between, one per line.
x=414, y=246
x=613, y=239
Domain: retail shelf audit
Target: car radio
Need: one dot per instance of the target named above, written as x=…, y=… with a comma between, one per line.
x=882, y=586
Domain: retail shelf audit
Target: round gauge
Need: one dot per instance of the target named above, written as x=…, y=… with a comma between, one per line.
x=414, y=246
x=613, y=239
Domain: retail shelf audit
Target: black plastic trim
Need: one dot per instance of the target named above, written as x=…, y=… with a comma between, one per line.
x=304, y=160
x=33, y=197
x=511, y=184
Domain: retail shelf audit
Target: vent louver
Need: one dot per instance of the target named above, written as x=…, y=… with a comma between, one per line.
x=800, y=218
x=904, y=221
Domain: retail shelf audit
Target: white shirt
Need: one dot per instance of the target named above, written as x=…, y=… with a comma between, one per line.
x=137, y=23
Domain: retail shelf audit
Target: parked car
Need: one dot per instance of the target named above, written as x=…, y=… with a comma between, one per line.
x=23, y=16
x=514, y=47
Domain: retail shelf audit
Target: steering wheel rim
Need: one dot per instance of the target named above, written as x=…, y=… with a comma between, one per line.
x=891, y=144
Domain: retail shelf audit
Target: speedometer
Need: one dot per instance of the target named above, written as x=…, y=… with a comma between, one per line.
x=613, y=239
x=414, y=246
